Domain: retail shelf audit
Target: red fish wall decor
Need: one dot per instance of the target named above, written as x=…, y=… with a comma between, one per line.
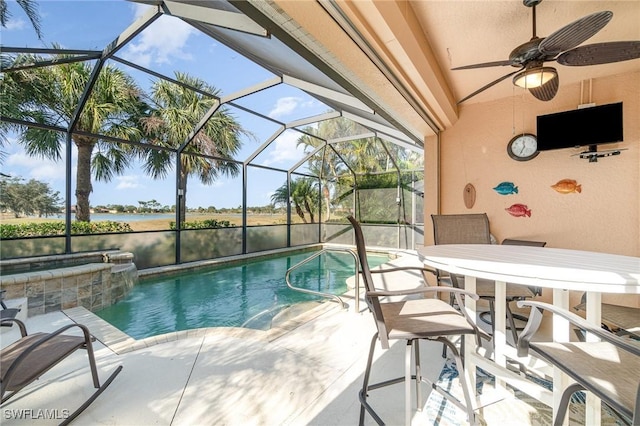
x=567, y=186
x=519, y=210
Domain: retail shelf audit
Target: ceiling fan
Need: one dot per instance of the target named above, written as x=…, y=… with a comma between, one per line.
x=561, y=46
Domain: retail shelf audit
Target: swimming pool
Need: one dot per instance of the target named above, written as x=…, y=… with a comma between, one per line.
x=247, y=294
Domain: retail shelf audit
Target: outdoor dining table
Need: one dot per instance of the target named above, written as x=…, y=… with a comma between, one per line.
x=560, y=270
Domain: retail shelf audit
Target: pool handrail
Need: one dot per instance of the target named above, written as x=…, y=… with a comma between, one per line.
x=323, y=294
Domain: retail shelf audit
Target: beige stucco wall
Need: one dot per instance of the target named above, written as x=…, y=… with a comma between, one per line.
x=605, y=217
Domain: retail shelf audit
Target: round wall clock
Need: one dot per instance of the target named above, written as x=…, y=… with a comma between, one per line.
x=523, y=147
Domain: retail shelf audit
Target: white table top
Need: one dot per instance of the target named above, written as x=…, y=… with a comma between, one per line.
x=538, y=266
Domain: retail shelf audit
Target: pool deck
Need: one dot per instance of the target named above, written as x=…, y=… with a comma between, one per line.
x=306, y=371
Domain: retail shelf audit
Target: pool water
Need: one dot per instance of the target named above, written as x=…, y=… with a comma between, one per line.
x=248, y=294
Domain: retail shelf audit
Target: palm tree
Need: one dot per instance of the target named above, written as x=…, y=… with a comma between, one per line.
x=49, y=96
x=363, y=155
x=29, y=7
x=304, y=195
x=175, y=113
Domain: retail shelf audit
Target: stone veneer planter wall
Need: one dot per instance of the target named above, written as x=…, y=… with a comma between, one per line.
x=92, y=286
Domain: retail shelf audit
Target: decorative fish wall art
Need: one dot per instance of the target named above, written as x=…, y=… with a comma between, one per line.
x=567, y=186
x=519, y=210
x=506, y=188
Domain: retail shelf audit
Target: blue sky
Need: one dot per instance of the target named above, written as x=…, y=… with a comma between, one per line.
x=166, y=46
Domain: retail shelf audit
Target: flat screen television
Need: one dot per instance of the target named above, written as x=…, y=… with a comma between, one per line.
x=581, y=127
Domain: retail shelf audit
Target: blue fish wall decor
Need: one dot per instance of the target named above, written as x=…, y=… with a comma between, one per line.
x=506, y=188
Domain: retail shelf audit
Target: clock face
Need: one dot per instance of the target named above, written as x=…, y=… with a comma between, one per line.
x=523, y=147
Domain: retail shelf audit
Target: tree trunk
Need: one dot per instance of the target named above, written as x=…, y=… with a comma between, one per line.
x=308, y=208
x=300, y=213
x=83, y=178
x=183, y=197
x=327, y=196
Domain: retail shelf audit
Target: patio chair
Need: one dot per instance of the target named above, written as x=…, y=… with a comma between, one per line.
x=412, y=320
x=474, y=229
x=621, y=320
x=6, y=313
x=607, y=368
x=28, y=358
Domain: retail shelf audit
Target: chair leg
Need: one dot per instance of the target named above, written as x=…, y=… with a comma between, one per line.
x=512, y=325
x=564, y=402
x=418, y=375
x=469, y=394
x=452, y=301
x=365, y=384
x=492, y=312
x=407, y=382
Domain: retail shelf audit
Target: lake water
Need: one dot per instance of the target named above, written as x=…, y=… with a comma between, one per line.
x=129, y=217
x=124, y=217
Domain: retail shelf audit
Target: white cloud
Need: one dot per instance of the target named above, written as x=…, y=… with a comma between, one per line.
x=128, y=182
x=288, y=104
x=285, y=149
x=284, y=106
x=36, y=167
x=161, y=42
x=15, y=24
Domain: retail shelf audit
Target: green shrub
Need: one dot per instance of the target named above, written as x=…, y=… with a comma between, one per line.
x=57, y=228
x=203, y=224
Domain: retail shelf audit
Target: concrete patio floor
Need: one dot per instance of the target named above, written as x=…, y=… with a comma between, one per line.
x=306, y=372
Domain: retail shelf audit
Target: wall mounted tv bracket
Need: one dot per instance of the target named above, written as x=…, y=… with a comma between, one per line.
x=592, y=154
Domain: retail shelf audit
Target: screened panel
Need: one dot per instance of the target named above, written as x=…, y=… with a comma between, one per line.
x=304, y=199
x=212, y=193
x=31, y=247
x=337, y=233
x=204, y=244
x=379, y=205
x=304, y=234
x=150, y=249
x=267, y=200
x=261, y=238
x=383, y=236
x=136, y=196
x=32, y=186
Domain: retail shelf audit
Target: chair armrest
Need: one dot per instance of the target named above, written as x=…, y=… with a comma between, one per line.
x=403, y=268
x=433, y=289
x=535, y=318
x=21, y=326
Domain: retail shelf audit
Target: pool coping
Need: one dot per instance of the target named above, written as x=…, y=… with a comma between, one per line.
x=121, y=343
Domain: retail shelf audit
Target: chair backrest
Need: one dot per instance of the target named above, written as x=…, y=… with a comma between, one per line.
x=461, y=228
x=512, y=242
x=372, y=302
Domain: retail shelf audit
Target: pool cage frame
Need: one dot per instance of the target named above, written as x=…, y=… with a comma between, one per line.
x=407, y=232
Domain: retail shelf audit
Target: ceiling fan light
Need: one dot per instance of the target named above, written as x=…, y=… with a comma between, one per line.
x=534, y=77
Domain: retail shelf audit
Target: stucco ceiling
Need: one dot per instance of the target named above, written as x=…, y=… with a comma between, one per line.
x=469, y=32
x=420, y=41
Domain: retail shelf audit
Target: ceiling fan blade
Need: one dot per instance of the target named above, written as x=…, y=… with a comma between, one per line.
x=547, y=91
x=484, y=65
x=573, y=34
x=601, y=53
x=485, y=87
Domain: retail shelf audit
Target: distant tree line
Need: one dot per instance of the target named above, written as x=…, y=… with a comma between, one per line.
x=31, y=198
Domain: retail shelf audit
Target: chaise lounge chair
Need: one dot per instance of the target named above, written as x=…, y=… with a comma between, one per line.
x=32, y=355
x=6, y=312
